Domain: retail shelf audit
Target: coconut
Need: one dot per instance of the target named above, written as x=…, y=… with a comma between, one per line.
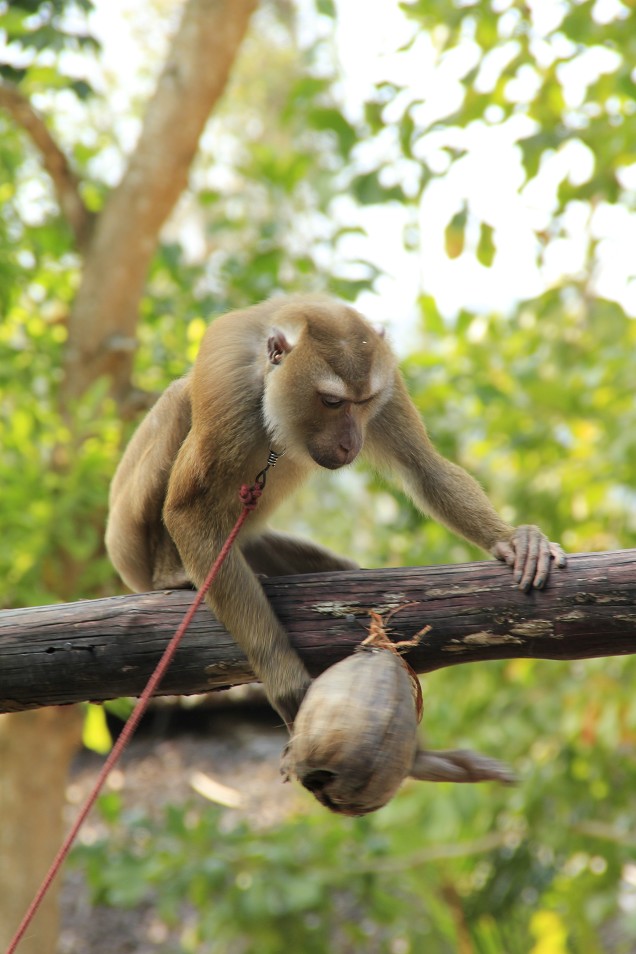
x=355, y=735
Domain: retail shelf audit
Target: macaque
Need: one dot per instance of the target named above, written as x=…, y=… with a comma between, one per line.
x=309, y=378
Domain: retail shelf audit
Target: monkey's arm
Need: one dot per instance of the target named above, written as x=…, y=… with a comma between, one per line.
x=199, y=516
x=397, y=440
x=238, y=601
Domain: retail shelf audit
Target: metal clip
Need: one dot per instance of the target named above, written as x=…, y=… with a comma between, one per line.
x=272, y=459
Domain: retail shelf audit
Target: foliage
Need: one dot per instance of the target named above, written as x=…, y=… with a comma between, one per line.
x=313, y=885
x=51, y=512
x=33, y=27
x=567, y=70
x=497, y=867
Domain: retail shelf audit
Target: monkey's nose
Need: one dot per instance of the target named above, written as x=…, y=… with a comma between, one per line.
x=346, y=453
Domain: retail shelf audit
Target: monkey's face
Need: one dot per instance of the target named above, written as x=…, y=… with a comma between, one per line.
x=335, y=433
x=325, y=382
x=329, y=428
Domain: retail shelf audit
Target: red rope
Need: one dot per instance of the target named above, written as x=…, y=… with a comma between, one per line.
x=249, y=498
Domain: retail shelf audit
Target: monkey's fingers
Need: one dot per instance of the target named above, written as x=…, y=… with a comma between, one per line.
x=558, y=555
x=521, y=541
x=529, y=553
x=534, y=554
x=548, y=552
x=543, y=565
x=540, y=553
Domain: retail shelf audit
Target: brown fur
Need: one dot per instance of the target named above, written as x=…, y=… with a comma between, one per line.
x=308, y=376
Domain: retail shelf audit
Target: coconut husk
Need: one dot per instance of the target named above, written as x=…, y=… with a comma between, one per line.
x=355, y=738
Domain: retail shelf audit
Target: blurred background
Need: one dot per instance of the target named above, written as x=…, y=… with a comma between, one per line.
x=465, y=174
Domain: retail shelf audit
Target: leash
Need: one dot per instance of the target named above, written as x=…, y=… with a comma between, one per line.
x=249, y=496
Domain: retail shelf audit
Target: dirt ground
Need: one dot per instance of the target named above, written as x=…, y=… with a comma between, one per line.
x=230, y=754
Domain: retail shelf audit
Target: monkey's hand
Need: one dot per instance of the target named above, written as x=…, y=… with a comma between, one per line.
x=529, y=552
x=286, y=686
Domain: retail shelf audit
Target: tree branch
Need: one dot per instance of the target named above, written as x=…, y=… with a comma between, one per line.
x=101, y=649
x=54, y=160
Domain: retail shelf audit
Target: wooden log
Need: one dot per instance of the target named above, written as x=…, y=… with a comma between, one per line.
x=106, y=648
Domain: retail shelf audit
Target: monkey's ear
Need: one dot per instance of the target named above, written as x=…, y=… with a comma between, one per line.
x=277, y=346
x=380, y=329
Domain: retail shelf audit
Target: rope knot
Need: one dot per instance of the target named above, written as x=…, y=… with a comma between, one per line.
x=249, y=495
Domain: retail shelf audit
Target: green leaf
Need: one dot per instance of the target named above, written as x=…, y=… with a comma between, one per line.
x=486, y=245
x=13, y=22
x=326, y=7
x=433, y=322
x=368, y=190
x=333, y=120
x=82, y=89
x=455, y=233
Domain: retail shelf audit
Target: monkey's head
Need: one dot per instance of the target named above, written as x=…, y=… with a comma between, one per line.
x=328, y=374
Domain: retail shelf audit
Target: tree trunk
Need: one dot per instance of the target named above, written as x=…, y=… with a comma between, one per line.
x=35, y=753
x=104, y=316
x=101, y=649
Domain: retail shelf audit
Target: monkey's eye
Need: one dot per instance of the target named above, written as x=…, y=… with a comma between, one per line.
x=330, y=401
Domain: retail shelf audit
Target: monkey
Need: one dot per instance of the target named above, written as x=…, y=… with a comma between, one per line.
x=309, y=378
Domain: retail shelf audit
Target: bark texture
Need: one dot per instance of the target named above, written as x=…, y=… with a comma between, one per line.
x=31, y=808
x=101, y=649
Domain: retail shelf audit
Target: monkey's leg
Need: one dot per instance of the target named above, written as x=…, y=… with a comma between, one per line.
x=459, y=766
x=136, y=538
x=278, y=554
x=168, y=572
